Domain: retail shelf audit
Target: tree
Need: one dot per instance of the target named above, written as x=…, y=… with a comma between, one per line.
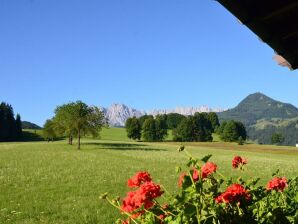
x=240, y=141
x=231, y=131
x=213, y=118
x=3, y=122
x=161, y=127
x=184, y=131
x=77, y=119
x=10, y=128
x=143, y=118
x=133, y=128
x=174, y=119
x=149, y=130
x=95, y=121
x=48, y=130
x=195, y=128
x=241, y=130
x=63, y=121
x=202, y=127
x=221, y=127
x=277, y=138
x=18, y=127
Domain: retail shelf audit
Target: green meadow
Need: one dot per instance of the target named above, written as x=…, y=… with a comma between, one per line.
x=53, y=182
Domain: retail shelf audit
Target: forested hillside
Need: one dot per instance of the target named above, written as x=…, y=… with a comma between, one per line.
x=29, y=125
x=263, y=117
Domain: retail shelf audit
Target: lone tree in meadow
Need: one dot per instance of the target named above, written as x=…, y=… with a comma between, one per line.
x=133, y=128
x=78, y=119
x=277, y=138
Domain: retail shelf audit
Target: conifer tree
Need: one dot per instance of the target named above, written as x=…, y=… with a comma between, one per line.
x=18, y=127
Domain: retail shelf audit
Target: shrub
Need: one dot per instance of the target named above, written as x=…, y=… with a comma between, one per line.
x=206, y=196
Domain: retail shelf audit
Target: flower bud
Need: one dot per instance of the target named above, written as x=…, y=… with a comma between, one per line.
x=181, y=148
x=103, y=196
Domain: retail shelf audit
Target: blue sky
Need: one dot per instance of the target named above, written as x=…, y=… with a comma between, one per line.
x=144, y=53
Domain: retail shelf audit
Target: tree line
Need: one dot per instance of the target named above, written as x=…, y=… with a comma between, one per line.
x=74, y=120
x=193, y=128
x=10, y=126
x=198, y=127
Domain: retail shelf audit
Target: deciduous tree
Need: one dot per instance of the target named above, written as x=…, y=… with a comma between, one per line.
x=133, y=128
x=149, y=130
x=77, y=118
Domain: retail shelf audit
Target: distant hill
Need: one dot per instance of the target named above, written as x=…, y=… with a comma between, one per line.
x=259, y=106
x=29, y=125
x=264, y=116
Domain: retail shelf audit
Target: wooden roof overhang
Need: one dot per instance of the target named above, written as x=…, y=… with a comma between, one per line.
x=274, y=21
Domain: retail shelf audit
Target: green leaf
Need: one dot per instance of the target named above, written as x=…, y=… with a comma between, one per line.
x=206, y=158
x=178, y=169
x=275, y=173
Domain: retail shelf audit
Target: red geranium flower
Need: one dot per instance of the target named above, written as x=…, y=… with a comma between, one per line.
x=141, y=197
x=127, y=221
x=195, y=175
x=234, y=193
x=149, y=191
x=162, y=216
x=208, y=169
x=277, y=183
x=238, y=161
x=138, y=179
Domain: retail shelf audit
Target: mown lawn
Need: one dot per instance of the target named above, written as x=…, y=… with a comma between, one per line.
x=44, y=182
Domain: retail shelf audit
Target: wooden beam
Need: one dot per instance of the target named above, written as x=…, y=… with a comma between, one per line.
x=281, y=11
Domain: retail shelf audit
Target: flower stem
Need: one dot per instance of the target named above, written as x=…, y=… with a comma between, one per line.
x=118, y=207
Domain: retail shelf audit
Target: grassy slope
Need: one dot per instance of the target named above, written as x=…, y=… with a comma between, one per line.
x=55, y=183
x=261, y=124
x=116, y=134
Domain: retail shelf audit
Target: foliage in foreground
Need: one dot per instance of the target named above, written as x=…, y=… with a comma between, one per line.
x=206, y=196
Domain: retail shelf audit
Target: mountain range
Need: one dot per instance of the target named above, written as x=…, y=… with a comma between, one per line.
x=117, y=114
x=261, y=115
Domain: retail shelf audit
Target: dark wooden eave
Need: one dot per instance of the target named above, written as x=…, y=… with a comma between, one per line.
x=274, y=21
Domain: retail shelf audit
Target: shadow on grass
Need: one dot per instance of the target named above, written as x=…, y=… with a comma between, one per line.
x=31, y=137
x=116, y=145
x=122, y=146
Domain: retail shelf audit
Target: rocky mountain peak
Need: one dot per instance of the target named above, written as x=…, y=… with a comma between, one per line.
x=118, y=113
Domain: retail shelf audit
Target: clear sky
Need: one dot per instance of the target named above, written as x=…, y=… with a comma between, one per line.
x=143, y=53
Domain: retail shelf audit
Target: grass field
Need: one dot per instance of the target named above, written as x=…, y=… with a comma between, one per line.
x=44, y=182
